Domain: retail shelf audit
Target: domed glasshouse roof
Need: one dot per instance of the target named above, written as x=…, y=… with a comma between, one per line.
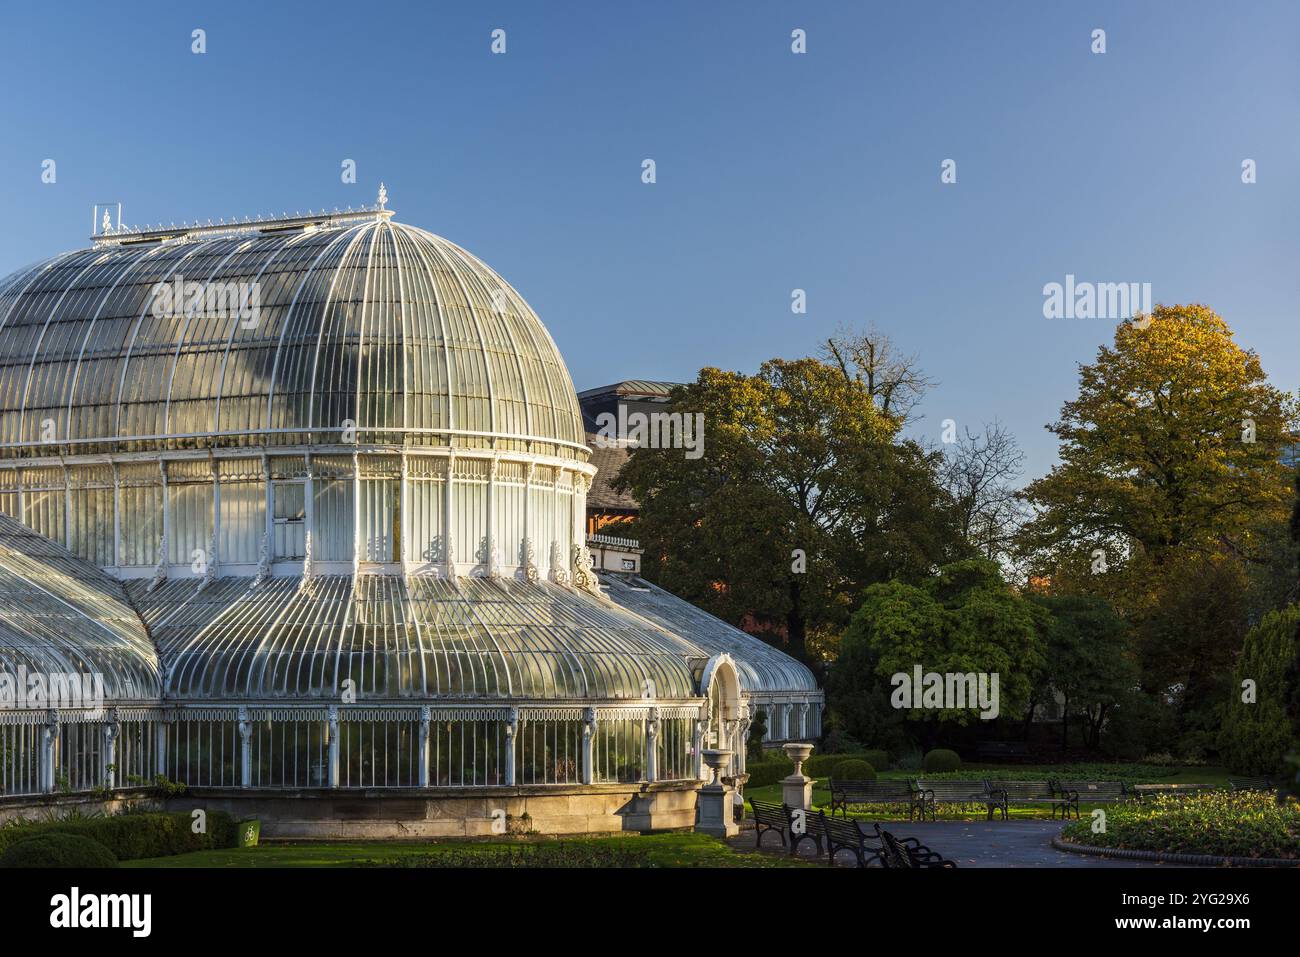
x=356, y=321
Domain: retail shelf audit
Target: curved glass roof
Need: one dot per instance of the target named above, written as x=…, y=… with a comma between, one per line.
x=763, y=669
x=403, y=638
x=60, y=615
x=367, y=321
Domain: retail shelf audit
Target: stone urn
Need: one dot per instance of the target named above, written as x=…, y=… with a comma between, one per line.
x=716, y=760
x=798, y=753
x=796, y=790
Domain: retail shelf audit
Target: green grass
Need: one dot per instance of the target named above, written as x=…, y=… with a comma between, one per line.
x=1132, y=774
x=653, y=850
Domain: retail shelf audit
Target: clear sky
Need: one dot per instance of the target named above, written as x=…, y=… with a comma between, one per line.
x=775, y=171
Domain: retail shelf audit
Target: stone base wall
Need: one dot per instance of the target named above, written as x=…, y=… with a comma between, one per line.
x=45, y=807
x=401, y=814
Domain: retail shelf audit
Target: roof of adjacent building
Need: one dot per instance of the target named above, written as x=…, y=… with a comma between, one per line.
x=647, y=388
x=608, y=459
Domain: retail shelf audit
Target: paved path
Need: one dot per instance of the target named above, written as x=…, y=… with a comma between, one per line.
x=970, y=844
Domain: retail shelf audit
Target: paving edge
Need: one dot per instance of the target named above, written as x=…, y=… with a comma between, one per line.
x=1168, y=857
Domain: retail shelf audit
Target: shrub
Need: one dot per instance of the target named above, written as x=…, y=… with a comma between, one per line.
x=854, y=771
x=133, y=836
x=940, y=760
x=58, y=850
x=1255, y=736
x=1231, y=824
x=877, y=759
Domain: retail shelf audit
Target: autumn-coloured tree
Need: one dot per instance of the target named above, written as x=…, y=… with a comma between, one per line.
x=804, y=496
x=1169, y=491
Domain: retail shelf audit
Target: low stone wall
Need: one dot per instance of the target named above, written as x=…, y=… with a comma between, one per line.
x=409, y=814
x=40, y=807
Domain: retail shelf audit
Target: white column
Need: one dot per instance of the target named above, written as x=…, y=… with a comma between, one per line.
x=699, y=749
x=48, y=757
x=448, y=525
x=512, y=728
x=423, y=754
x=652, y=746
x=308, y=519
x=160, y=745
x=588, y=745
x=333, y=720
x=111, y=730
x=245, y=749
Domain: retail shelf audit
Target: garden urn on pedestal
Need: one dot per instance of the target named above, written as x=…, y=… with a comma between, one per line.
x=717, y=816
x=796, y=790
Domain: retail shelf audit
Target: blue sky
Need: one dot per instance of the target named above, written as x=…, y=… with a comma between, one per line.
x=775, y=171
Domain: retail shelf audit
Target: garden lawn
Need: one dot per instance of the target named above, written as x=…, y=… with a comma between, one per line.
x=647, y=850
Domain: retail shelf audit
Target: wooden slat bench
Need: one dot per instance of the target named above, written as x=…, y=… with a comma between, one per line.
x=805, y=825
x=846, y=835
x=899, y=793
x=908, y=852
x=929, y=793
x=1090, y=792
x=768, y=817
x=1251, y=784
x=1003, y=794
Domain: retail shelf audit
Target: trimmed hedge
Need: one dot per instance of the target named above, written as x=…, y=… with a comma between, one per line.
x=853, y=771
x=57, y=850
x=940, y=760
x=1224, y=823
x=820, y=766
x=136, y=835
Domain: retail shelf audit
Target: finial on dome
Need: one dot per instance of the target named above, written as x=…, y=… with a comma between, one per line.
x=383, y=196
x=108, y=222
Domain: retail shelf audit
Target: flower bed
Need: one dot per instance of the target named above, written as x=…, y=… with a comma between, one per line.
x=1220, y=823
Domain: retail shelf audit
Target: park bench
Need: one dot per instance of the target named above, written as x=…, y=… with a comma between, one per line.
x=908, y=852
x=847, y=835
x=1090, y=792
x=805, y=824
x=844, y=793
x=1140, y=791
x=1003, y=751
x=928, y=794
x=768, y=817
x=1002, y=794
x=1251, y=784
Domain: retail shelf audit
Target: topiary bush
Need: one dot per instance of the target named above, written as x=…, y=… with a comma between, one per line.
x=58, y=850
x=853, y=771
x=877, y=759
x=940, y=760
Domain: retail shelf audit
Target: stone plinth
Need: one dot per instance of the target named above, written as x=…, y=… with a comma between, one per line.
x=716, y=803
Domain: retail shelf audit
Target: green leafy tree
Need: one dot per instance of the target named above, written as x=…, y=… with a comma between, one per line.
x=803, y=496
x=963, y=619
x=1087, y=661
